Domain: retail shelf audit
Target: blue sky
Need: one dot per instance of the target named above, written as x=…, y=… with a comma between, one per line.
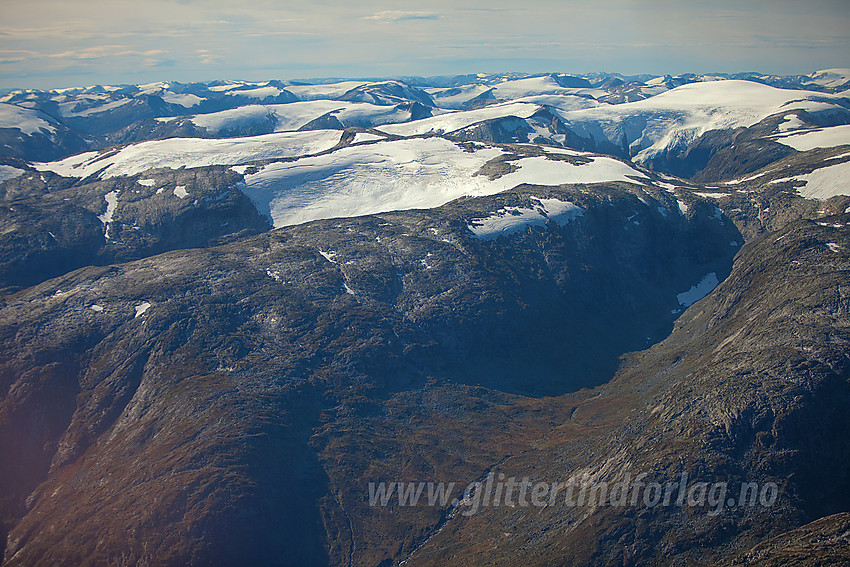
x=58, y=43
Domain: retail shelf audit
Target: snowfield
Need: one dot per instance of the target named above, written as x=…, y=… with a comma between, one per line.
x=292, y=116
x=177, y=153
x=316, y=92
x=698, y=291
x=454, y=121
x=679, y=116
x=404, y=174
x=820, y=138
x=24, y=119
x=826, y=182
x=511, y=220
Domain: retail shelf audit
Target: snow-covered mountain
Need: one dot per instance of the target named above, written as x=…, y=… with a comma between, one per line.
x=106, y=115
x=340, y=148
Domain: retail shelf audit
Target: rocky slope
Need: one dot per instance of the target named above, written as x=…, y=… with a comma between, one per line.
x=332, y=315
x=751, y=386
x=51, y=225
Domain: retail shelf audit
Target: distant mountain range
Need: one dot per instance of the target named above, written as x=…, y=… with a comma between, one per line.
x=229, y=310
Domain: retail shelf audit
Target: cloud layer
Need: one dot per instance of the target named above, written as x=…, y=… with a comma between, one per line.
x=52, y=43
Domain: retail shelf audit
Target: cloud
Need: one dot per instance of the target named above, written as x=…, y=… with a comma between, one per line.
x=207, y=57
x=400, y=16
x=98, y=51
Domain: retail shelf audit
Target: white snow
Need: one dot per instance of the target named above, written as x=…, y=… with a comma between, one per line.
x=562, y=103
x=216, y=122
x=534, y=86
x=683, y=207
x=713, y=195
x=790, y=122
x=329, y=256
x=9, y=172
x=141, y=308
x=96, y=307
x=185, y=100
x=26, y=120
x=782, y=180
x=826, y=182
x=835, y=247
x=365, y=137
x=831, y=77
x=819, y=138
x=231, y=85
x=111, y=203
x=313, y=92
x=453, y=121
x=456, y=97
x=193, y=152
x=293, y=115
x=274, y=274
x=738, y=181
x=259, y=93
x=146, y=182
x=67, y=108
x=180, y=191
x=679, y=116
x=296, y=114
x=700, y=290
x=510, y=220
x=403, y=174
x=518, y=89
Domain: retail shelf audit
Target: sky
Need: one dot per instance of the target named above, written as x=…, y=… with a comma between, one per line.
x=63, y=43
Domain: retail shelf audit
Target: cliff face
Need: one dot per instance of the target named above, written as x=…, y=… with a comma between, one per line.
x=749, y=387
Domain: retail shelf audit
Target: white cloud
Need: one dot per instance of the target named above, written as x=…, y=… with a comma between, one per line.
x=400, y=16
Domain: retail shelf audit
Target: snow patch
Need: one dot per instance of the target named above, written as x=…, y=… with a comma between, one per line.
x=790, y=122
x=180, y=191
x=826, y=182
x=700, y=290
x=820, y=138
x=111, y=199
x=835, y=247
x=453, y=121
x=146, y=182
x=365, y=137
x=9, y=172
x=184, y=100
x=141, y=309
x=329, y=256
x=509, y=220
x=96, y=307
